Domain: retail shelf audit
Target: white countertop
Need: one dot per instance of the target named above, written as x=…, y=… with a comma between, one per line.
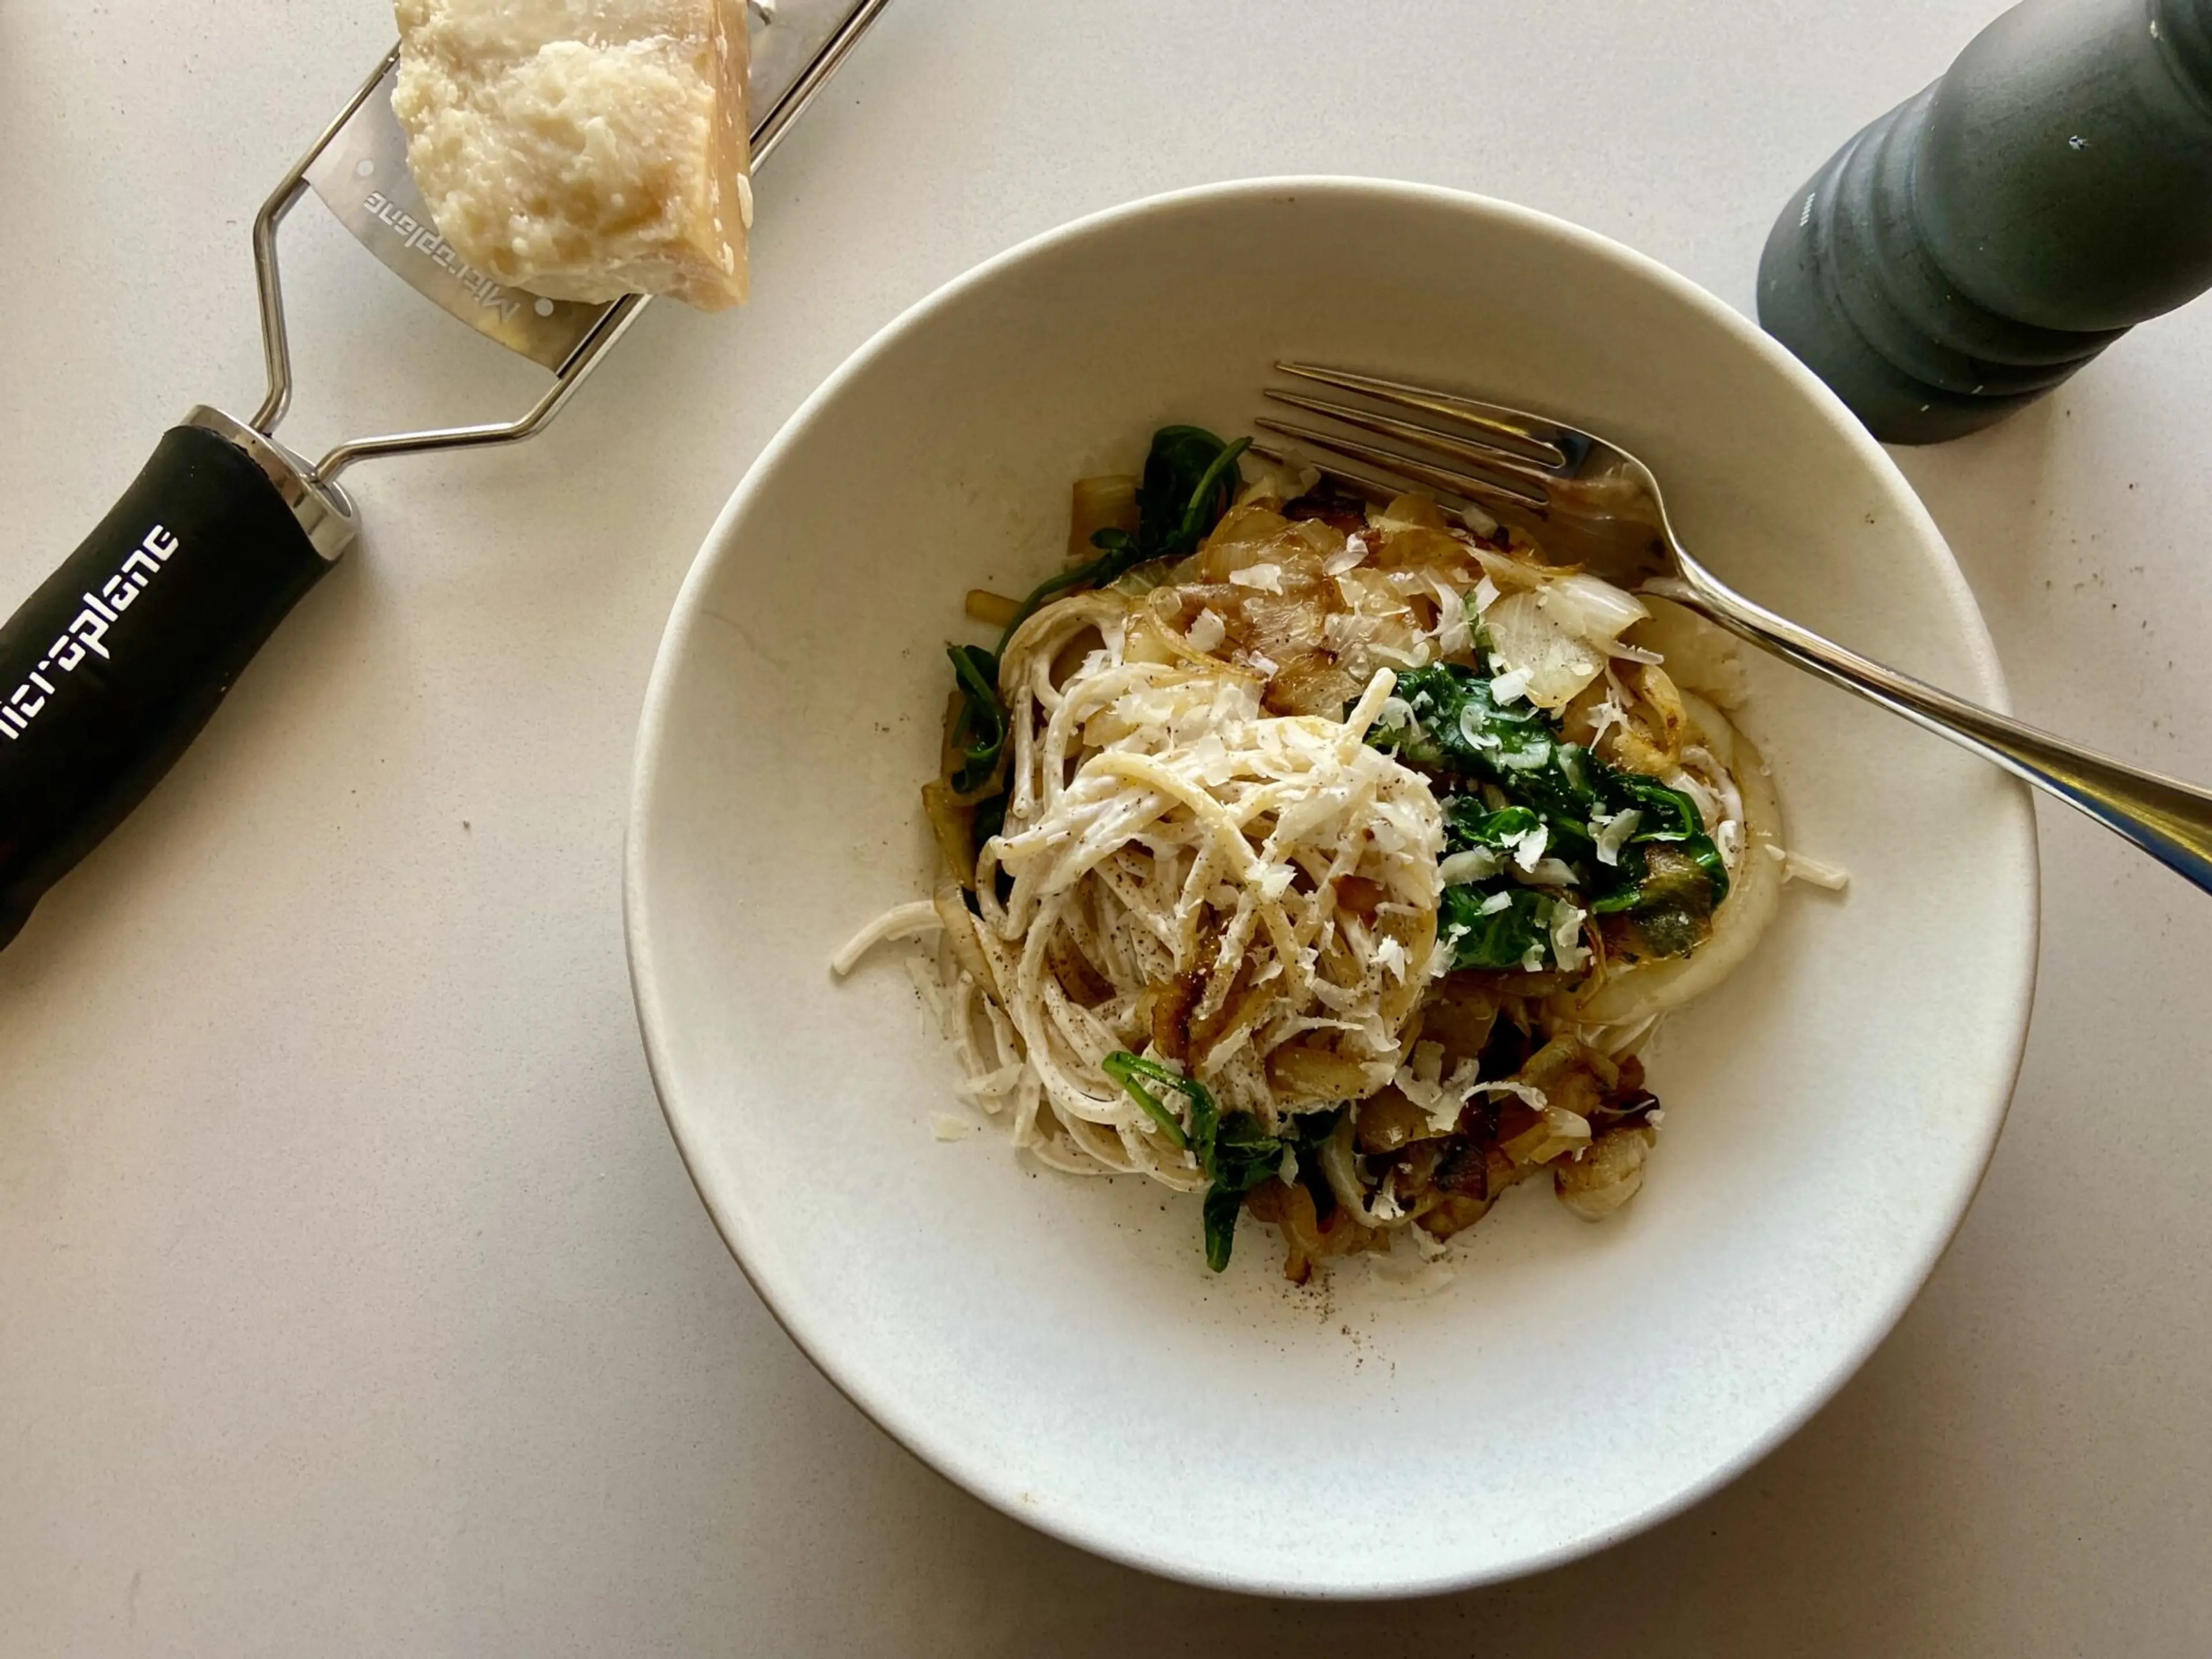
x=353, y=1300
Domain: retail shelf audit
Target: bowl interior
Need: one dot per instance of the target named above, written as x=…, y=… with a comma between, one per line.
x=1056, y=1345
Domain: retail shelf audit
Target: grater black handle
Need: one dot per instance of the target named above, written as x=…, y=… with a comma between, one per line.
x=108, y=671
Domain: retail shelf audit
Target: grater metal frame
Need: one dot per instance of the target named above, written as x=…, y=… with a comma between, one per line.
x=613, y=321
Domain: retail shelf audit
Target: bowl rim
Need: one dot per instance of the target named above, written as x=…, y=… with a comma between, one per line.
x=978, y=1476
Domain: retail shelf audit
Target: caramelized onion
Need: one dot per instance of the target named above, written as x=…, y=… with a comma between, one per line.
x=1606, y=1178
x=1650, y=740
x=1303, y=1070
x=1386, y=1121
x=1107, y=502
x=992, y=609
x=952, y=822
x=960, y=932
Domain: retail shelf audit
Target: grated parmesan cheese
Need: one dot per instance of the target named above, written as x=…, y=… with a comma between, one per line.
x=1478, y=520
x=1421, y=1081
x=1817, y=872
x=1567, y=948
x=1512, y=686
x=1610, y=831
x=1476, y=864
x=1549, y=873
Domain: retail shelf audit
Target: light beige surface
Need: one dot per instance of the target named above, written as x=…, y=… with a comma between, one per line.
x=352, y=1300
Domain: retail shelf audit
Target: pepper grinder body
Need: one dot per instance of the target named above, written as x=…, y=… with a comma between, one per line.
x=1972, y=248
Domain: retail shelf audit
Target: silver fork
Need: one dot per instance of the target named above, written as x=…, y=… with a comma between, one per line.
x=1593, y=503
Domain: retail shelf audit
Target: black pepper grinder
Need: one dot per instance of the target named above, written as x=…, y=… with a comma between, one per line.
x=1983, y=240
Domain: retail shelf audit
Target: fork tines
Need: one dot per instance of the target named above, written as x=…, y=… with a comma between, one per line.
x=1517, y=453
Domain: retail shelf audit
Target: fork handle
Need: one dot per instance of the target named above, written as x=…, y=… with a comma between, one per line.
x=2168, y=818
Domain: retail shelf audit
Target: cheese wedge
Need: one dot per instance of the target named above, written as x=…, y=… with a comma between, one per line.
x=583, y=149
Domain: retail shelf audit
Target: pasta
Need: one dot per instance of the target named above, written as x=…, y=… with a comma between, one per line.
x=1332, y=860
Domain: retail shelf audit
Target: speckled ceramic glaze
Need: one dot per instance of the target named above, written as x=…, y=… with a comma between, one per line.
x=1056, y=1345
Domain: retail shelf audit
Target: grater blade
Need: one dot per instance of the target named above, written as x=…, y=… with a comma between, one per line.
x=361, y=176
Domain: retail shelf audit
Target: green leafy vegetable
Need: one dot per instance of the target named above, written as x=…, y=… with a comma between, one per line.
x=1481, y=937
x=1668, y=814
x=1309, y=1130
x=1671, y=816
x=1220, y=1210
x=1459, y=726
x=980, y=728
x=1243, y=1155
x=1233, y=1151
x=1190, y=477
x=1513, y=770
x=1667, y=900
x=1470, y=826
x=1127, y=1070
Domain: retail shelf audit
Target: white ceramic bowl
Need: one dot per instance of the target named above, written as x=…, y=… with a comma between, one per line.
x=1056, y=1344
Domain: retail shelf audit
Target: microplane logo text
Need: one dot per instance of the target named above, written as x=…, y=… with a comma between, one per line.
x=424, y=239
x=87, y=634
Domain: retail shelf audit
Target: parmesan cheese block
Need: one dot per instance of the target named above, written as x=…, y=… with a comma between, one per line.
x=583, y=149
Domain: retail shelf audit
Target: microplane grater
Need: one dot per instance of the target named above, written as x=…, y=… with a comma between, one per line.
x=112, y=666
